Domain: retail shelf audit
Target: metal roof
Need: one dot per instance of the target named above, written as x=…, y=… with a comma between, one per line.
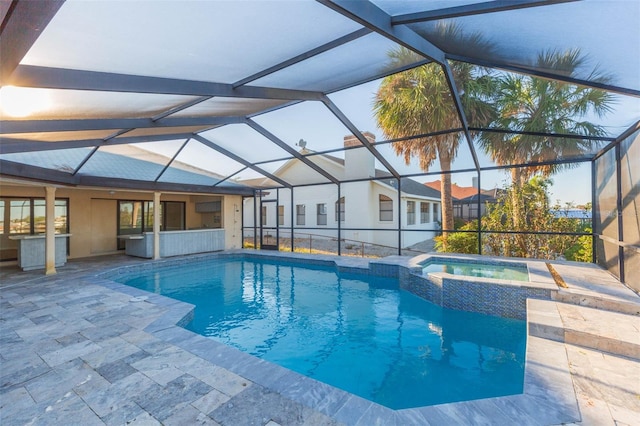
x=231, y=87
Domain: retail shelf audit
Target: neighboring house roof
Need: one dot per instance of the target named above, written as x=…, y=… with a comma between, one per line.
x=462, y=192
x=474, y=198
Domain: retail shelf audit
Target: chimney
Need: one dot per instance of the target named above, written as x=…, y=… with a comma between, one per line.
x=358, y=162
x=474, y=181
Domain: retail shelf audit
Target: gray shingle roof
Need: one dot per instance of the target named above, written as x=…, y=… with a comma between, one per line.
x=107, y=164
x=409, y=186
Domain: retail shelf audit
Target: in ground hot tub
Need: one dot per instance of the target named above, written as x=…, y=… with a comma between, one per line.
x=473, y=268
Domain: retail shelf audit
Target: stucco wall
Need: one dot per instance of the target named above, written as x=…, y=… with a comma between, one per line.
x=102, y=227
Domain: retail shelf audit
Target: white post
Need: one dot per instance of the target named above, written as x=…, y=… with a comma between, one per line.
x=50, y=231
x=156, y=225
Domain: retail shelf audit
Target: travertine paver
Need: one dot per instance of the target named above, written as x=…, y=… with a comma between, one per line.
x=211, y=401
x=596, y=288
x=74, y=352
x=607, y=386
x=259, y=406
x=611, y=332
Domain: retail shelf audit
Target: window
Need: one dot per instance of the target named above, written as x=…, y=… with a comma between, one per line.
x=210, y=213
x=386, y=208
x=130, y=217
x=171, y=216
x=172, y=213
x=473, y=211
x=28, y=216
x=411, y=212
x=61, y=219
x=148, y=216
x=340, y=209
x=457, y=210
x=300, y=214
x=321, y=214
x=425, y=212
x=20, y=216
x=136, y=217
x=39, y=220
x=280, y=215
x=264, y=216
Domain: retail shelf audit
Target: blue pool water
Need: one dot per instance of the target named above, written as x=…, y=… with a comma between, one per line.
x=355, y=332
x=486, y=270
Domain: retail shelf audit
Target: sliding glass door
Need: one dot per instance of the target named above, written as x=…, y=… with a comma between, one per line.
x=136, y=217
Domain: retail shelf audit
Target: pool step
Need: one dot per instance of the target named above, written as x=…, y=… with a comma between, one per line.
x=591, y=286
x=606, y=331
x=597, y=302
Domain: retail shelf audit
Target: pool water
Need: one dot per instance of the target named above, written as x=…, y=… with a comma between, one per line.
x=355, y=332
x=469, y=269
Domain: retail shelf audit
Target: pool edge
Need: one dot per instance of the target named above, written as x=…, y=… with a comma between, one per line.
x=548, y=387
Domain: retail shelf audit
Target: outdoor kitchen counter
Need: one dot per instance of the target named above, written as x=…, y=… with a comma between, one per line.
x=31, y=250
x=175, y=243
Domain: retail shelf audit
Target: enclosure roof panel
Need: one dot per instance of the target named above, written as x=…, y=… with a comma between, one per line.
x=239, y=88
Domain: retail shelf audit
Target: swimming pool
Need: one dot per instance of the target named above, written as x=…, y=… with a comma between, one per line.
x=353, y=331
x=515, y=271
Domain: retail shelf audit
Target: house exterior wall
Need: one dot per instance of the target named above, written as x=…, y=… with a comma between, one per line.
x=411, y=233
x=361, y=219
x=361, y=209
x=361, y=222
x=418, y=231
x=103, y=225
x=362, y=213
x=358, y=160
x=92, y=216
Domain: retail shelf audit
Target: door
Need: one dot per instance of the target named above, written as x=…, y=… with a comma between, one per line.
x=269, y=235
x=130, y=219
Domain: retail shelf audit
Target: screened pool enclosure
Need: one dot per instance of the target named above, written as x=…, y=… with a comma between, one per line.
x=352, y=127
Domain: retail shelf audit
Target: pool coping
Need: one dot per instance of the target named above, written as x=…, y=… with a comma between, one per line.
x=548, y=393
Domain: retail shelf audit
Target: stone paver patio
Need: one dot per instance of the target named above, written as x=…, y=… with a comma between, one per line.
x=79, y=350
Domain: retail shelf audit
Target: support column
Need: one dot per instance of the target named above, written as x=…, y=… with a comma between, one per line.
x=50, y=231
x=156, y=225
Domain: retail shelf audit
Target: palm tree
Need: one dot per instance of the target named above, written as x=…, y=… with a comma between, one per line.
x=536, y=105
x=418, y=101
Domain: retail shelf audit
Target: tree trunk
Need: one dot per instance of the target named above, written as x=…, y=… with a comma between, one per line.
x=518, y=212
x=445, y=198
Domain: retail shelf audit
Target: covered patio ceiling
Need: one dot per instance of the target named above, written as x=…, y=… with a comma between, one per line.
x=220, y=94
